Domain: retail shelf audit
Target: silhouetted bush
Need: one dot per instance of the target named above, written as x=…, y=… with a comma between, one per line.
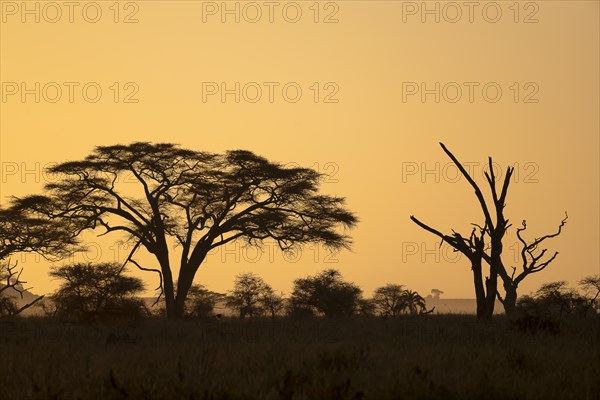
x=247, y=295
x=8, y=306
x=325, y=294
x=390, y=300
x=201, y=302
x=253, y=297
x=590, y=285
x=393, y=300
x=366, y=308
x=555, y=300
x=297, y=311
x=272, y=303
x=91, y=292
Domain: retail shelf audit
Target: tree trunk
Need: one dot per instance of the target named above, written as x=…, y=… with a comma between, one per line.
x=184, y=283
x=479, y=291
x=510, y=299
x=187, y=272
x=491, y=284
x=168, y=289
x=476, y=264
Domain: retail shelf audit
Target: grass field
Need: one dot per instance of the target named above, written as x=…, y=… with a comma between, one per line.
x=430, y=357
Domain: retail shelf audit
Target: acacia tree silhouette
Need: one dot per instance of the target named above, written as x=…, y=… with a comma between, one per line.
x=272, y=302
x=390, y=300
x=475, y=249
x=591, y=288
x=202, y=301
x=326, y=293
x=91, y=290
x=24, y=230
x=247, y=293
x=199, y=200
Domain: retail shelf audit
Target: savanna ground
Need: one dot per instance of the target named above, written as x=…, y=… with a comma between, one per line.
x=425, y=357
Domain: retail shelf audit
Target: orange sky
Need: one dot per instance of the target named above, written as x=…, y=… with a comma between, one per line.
x=373, y=134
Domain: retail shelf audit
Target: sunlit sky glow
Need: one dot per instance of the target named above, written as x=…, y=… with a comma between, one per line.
x=374, y=145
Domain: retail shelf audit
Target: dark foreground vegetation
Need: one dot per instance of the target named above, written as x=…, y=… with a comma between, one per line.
x=411, y=357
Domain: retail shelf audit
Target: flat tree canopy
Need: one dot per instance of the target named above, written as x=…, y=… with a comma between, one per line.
x=22, y=230
x=157, y=192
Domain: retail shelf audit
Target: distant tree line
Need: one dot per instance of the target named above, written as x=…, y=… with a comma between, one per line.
x=90, y=292
x=556, y=299
x=104, y=291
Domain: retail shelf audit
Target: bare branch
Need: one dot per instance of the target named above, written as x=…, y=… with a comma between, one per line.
x=531, y=262
x=131, y=260
x=474, y=185
x=26, y=306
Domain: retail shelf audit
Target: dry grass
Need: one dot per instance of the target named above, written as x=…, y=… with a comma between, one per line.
x=435, y=357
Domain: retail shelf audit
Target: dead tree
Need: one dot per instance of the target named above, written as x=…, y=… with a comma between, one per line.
x=532, y=260
x=474, y=247
x=11, y=278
